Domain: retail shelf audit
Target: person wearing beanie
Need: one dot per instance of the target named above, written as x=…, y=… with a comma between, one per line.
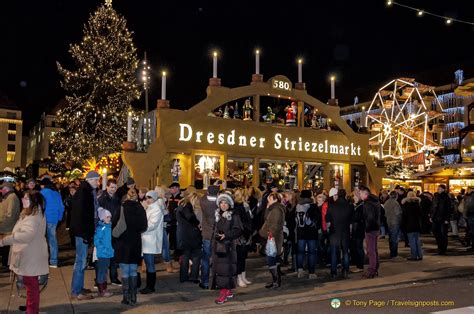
x=208, y=207
x=308, y=223
x=104, y=250
x=227, y=230
x=128, y=246
x=152, y=238
x=83, y=214
x=338, y=219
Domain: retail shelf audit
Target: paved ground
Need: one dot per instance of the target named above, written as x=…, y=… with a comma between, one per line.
x=171, y=296
x=455, y=295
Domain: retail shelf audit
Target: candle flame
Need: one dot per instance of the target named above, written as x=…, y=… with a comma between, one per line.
x=214, y=53
x=257, y=51
x=164, y=73
x=333, y=78
x=300, y=61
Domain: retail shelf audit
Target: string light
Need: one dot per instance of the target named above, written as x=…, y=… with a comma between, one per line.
x=420, y=13
x=99, y=91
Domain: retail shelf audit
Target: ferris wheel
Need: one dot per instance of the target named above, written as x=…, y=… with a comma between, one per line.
x=400, y=116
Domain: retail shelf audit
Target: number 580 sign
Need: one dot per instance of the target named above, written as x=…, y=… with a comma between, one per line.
x=280, y=84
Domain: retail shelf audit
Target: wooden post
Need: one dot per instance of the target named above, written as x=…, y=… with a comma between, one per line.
x=256, y=108
x=300, y=115
x=326, y=176
x=300, y=174
x=346, y=178
x=256, y=172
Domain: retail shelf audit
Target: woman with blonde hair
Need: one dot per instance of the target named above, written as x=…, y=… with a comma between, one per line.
x=29, y=251
x=242, y=209
x=189, y=238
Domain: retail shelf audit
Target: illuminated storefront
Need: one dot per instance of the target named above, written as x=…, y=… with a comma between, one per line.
x=203, y=144
x=455, y=177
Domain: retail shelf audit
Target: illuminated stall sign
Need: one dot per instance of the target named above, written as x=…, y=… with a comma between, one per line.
x=277, y=142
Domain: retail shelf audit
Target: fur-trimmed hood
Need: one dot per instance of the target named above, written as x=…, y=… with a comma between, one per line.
x=411, y=199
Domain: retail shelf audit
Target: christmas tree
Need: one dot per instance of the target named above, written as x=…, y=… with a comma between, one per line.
x=99, y=92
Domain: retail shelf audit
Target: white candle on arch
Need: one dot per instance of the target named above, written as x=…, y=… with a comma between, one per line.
x=333, y=87
x=129, y=127
x=257, y=61
x=214, y=64
x=300, y=70
x=163, y=85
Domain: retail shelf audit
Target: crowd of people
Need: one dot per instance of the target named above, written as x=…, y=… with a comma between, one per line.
x=210, y=236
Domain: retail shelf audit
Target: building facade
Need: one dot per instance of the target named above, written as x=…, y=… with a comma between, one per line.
x=39, y=147
x=11, y=131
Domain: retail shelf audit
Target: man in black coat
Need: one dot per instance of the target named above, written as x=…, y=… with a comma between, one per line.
x=111, y=202
x=173, y=200
x=440, y=215
x=84, y=208
x=372, y=226
x=339, y=218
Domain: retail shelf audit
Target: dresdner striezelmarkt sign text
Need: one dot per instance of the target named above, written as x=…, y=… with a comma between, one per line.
x=279, y=141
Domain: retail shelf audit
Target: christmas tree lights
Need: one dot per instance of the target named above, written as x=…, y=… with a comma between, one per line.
x=100, y=90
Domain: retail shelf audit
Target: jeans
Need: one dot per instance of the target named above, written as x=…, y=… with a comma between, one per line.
x=128, y=270
x=77, y=283
x=394, y=236
x=205, y=261
x=242, y=253
x=195, y=256
x=102, y=265
x=53, y=243
x=272, y=261
x=454, y=227
x=440, y=231
x=415, y=245
x=149, y=262
x=372, y=251
x=335, y=249
x=165, y=252
x=32, y=294
x=311, y=245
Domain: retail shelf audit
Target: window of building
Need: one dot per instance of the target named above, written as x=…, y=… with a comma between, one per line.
x=11, y=115
x=11, y=137
x=11, y=126
x=11, y=148
x=10, y=157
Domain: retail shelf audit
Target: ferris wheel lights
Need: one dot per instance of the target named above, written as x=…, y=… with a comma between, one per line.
x=389, y=3
x=449, y=21
x=472, y=147
x=420, y=13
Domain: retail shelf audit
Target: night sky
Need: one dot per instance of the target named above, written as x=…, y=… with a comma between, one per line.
x=363, y=42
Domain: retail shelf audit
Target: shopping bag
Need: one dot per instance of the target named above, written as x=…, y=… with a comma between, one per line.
x=270, y=248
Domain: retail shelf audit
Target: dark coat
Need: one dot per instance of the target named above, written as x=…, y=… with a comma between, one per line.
x=372, y=213
x=469, y=204
x=358, y=223
x=274, y=223
x=112, y=204
x=340, y=215
x=246, y=220
x=82, y=213
x=172, y=206
x=411, y=215
x=188, y=233
x=308, y=220
x=441, y=208
x=208, y=208
x=128, y=247
x=290, y=219
x=224, y=254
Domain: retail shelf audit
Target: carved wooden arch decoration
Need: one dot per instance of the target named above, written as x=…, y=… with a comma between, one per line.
x=218, y=96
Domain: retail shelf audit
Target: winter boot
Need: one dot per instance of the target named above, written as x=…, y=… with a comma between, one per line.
x=132, y=290
x=300, y=273
x=229, y=294
x=274, y=283
x=125, y=292
x=240, y=281
x=244, y=279
x=150, y=283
